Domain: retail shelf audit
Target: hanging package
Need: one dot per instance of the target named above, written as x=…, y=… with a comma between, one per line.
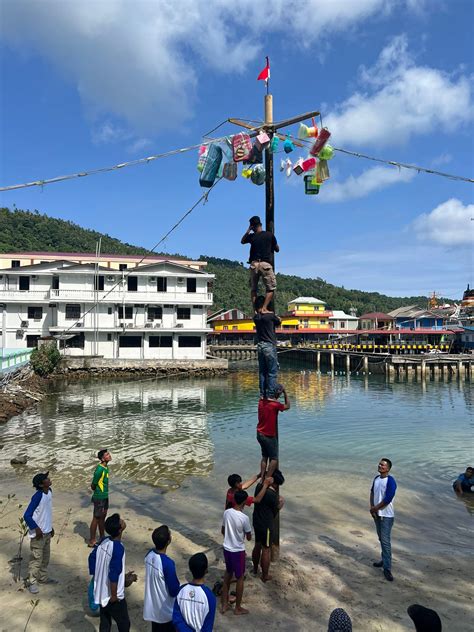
x=255, y=156
x=202, y=155
x=288, y=145
x=308, y=132
x=246, y=173
x=308, y=164
x=274, y=144
x=230, y=171
x=321, y=140
x=327, y=152
x=258, y=174
x=262, y=141
x=310, y=186
x=298, y=167
x=322, y=171
x=241, y=146
x=211, y=166
x=289, y=167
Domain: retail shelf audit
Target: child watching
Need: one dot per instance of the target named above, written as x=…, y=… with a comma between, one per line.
x=195, y=606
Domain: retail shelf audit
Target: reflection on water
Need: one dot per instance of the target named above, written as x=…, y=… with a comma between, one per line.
x=161, y=432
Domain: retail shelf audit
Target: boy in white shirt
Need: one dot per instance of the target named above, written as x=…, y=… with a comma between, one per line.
x=161, y=583
x=235, y=528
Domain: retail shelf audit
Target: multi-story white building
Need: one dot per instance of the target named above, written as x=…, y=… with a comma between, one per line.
x=152, y=311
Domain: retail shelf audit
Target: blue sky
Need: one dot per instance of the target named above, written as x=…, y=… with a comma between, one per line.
x=88, y=84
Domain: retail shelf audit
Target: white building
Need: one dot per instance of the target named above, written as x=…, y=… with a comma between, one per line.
x=341, y=320
x=153, y=311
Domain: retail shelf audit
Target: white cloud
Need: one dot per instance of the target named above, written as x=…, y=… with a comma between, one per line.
x=367, y=182
x=442, y=159
x=401, y=100
x=141, y=60
x=449, y=224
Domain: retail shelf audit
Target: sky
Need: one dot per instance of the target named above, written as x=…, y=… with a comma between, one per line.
x=90, y=84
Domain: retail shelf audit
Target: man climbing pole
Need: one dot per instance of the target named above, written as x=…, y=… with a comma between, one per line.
x=262, y=246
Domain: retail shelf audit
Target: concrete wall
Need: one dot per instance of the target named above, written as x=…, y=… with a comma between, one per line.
x=96, y=362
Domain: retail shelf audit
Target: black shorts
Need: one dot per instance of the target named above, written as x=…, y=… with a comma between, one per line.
x=101, y=506
x=269, y=446
x=263, y=536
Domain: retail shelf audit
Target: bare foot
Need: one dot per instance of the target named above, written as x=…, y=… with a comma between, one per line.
x=265, y=311
x=224, y=608
x=241, y=611
x=268, y=578
x=91, y=544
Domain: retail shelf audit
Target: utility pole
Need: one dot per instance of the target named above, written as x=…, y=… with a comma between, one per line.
x=272, y=129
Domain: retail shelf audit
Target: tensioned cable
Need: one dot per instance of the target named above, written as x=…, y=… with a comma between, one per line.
x=121, y=280
x=172, y=152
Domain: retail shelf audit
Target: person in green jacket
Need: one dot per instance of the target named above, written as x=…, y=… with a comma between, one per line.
x=100, y=497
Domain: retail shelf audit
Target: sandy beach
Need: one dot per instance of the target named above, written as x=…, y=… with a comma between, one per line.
x=327, y=548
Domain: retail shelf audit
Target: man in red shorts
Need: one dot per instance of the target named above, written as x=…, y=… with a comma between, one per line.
x=267, y=430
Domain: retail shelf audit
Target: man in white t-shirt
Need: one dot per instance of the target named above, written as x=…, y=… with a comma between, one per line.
x=382, y=494
x=235, y=528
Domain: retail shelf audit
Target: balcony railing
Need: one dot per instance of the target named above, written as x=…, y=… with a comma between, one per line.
x=116, y=295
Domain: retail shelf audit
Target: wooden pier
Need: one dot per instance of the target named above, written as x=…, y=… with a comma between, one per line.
x=431, y=366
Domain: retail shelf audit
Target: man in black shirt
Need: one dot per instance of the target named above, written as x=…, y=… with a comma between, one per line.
x=262, y=246
x=264, y=514
x=265, y=323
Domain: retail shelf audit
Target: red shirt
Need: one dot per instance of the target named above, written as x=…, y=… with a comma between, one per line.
x=268, y=416
x=230, y=502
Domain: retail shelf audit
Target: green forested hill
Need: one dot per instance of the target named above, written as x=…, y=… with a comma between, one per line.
x=31, y=231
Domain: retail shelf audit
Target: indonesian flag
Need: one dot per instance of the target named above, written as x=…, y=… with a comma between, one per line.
x=265, y=74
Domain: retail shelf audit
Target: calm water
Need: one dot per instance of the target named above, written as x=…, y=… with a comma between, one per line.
x=162, y=432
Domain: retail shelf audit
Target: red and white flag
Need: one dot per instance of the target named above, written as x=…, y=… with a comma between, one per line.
x=265, y=74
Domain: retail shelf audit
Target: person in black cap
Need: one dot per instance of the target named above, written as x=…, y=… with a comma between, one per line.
x=39, y=518
x=262, y=246
x=425, y=619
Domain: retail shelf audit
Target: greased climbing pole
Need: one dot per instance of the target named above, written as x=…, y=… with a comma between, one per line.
x=272, y=129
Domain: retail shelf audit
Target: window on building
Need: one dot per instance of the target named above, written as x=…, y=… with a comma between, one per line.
x=342, y=324
x=35, y=312
x=109, y=311
x=161, y=284
x=184, y=313
x=197, y=307
x=15, y=263
x=190, y=285
x=189, y=341
x=76, y=342
x=161, y=341
x=55, y=283
x=155, y=312
x=73, y=311
x=125, y=313
x=234, y=328
x=168, y=306
x=130, y=341
x=122, y=266
x=132, y=283
x=109, y=337
x=24, y=283
x=225, y=327
x=32, y=341
x=99, y=282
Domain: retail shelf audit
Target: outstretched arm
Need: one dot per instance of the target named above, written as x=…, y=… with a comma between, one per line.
x=251, y=481
x=266, y=483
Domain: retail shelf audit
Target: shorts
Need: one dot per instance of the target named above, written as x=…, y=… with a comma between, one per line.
x=101, y=506
x=262, y=269
x=269, y=446
x=235, y=563
x=263, y=536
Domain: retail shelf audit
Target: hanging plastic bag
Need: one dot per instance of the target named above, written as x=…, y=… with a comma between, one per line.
x=327, y=152
x=230, y=171
x=274, y=144
x=308, y=132
x=211, y=166
x=289, y=167
x=321, y=140
x=322, y=171
x=288, y=145
x=90, y=596
x=258, y=174
x=241, y=146
x=202, y=155
x=262, y=141
x=246, y=173
x=255, y=156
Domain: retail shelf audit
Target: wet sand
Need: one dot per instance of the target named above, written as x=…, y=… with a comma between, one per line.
x=328, y=545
